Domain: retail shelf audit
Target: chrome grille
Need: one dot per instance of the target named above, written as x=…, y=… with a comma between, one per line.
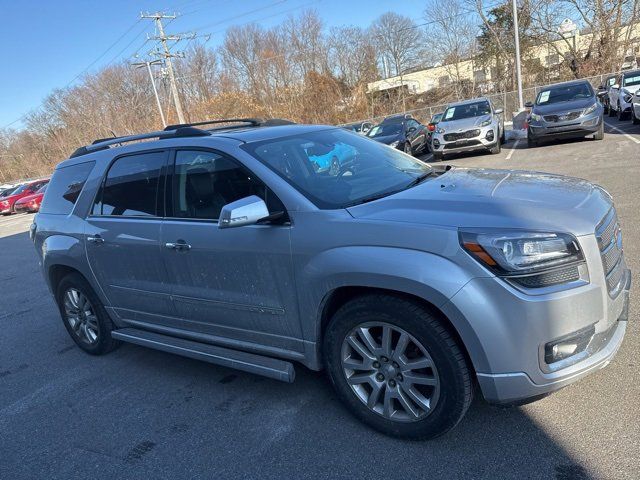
x=609, y=238
x=563, y=117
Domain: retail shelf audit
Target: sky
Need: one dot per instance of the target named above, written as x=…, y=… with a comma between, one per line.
x=47, y=44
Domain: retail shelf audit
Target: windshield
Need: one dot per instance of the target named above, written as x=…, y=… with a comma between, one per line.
x=631, y=80
x=566, y=93
x=468, y=110
x=7, y=192
x=335, y=169
x=385, y=129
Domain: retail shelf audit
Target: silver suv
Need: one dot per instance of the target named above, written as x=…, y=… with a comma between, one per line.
x=469, y=125
x=411, y=285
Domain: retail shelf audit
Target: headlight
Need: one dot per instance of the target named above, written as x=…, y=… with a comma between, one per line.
x=486, y=123
x=536, y=117
x=590, y=109
x=530, y=259
x=439, y=130
x=394, y=144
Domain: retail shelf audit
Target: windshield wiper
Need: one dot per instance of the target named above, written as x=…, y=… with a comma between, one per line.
x=419, y=179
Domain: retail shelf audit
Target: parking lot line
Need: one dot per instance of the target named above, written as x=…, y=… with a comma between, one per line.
x=630, y=137
x=513, y=149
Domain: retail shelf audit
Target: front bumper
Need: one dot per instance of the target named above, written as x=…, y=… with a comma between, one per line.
x=582, y=126
x=478, y=142
x=505, y=330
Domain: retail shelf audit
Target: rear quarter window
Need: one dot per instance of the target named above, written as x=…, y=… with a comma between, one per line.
x=64, y=188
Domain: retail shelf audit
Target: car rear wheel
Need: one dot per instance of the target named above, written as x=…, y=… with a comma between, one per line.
x=396, y=367
x=636, y=120
x=84, y=316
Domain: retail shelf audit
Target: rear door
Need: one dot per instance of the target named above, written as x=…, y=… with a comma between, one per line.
x=237, y=283
x=122, y=236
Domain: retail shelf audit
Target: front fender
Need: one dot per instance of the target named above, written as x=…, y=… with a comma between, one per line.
x=425, y=275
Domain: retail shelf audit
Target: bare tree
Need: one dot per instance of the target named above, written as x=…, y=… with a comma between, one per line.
x=399, y=40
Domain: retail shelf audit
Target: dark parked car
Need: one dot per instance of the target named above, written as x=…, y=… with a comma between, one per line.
x=7, y=203
x=569, y=109
x=402, y=132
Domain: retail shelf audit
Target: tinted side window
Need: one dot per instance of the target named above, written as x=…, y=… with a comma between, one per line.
x=64, y=188
x=132, y=186
x=204, y=182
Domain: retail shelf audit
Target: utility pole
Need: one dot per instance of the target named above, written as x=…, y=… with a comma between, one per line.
x=167, y=55
x=153, y=84
x=518, y=69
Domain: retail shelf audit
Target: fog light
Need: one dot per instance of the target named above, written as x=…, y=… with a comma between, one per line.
x=489, y=135
x=568, y=346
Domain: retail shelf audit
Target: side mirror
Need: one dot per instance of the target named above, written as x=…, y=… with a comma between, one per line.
x=529, y=105
x=601, y=94
x=246, y=211
x=498, y=111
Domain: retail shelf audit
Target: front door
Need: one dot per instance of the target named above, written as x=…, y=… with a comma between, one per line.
x=122, y=237
x=235, y=283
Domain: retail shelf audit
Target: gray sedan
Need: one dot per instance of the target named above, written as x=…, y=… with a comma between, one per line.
x=569, y=109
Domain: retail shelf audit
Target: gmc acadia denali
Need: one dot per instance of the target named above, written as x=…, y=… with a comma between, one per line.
x=411, y=285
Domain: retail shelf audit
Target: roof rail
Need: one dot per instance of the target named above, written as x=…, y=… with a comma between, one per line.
x=253, y=122
x=104, y=143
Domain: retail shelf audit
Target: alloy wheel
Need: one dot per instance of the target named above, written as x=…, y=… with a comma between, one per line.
x=81, y=316
x=390, y=371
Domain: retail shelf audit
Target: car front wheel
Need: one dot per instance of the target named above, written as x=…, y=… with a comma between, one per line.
x=634, y=117
x=397, y=367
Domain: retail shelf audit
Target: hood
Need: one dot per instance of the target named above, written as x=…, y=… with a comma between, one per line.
x=561, y=107
x=387, y=139
x=465, y=197
x=13, y=198
x=632, y=88
x=463, y=123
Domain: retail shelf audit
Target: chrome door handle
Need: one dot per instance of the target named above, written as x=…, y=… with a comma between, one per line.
x=177, y=246
x=97, y=239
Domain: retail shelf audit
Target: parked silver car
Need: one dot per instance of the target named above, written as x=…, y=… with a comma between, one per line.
x=469, y=125
x=410, y=284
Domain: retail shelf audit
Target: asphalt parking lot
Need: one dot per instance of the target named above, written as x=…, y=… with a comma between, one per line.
x=141, y=413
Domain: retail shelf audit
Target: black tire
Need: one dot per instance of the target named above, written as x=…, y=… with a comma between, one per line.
x=620, y=115
x=612, y=112
x=497, y=148
x=599, y=135
x=456, y=388
x=636, y=120
x=605, y=106
x=531, y=142
x=503, y=137
x=104, y=343
x=438, y=156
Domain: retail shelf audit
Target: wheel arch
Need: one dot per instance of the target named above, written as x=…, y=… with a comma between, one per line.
x=341, y=295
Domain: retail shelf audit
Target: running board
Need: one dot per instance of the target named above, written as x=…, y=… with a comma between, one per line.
x=247, y=362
